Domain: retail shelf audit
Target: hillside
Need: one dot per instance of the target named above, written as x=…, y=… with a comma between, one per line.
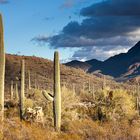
x=42, y=72
x=124, y=65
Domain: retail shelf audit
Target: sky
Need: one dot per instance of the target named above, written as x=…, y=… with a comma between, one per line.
x=78, y=29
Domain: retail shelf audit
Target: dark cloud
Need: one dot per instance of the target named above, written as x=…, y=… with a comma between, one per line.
x=107, y=24
x=102, y=27
x=91, y=30
x=113, y=8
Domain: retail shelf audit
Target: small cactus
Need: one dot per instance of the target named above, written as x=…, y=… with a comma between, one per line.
x=22, y=96
x=73, y=89
x=29, y=80
x=12, y=90
x=2, y=69
x=16, y=91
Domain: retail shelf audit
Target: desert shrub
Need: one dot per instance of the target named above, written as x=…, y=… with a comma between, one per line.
x=69, y=100
x=108, y=105
x=29, y=103
x=120, y=106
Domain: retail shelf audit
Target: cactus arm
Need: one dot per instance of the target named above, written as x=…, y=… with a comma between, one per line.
x=47, y=96
x=2, y=69
x=57, y=93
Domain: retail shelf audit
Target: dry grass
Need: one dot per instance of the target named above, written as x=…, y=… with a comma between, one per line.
x=76, y=130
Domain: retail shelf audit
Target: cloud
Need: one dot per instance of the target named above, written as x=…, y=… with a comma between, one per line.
x=113, y=8
x=97, y=53
x=106, y=25
x=4, y=1
x=40, y=40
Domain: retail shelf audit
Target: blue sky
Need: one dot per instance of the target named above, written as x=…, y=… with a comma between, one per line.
x=79, y=29
x=24, y=19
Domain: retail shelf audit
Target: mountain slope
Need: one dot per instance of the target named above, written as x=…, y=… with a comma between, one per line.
x=42, y=72
x=122, y=65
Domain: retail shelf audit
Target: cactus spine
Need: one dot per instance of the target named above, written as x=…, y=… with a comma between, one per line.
x=22, y=96
x=2, y=69
x=57, y=93
x=12, y=90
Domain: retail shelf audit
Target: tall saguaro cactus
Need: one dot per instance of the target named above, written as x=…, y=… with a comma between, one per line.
x=22, y=96
x=56, y=99
x=2, y=69
x=57, y=92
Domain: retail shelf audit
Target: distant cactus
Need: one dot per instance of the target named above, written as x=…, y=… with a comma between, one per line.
x=12, y=90
x=22, y=96
x=16, y=91
x=35, y=82
x=2, y=69
x=29, y=80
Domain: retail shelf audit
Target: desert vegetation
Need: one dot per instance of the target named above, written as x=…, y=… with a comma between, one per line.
x=64, y=109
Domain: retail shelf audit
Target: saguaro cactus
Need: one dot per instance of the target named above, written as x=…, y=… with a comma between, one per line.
x=2, y=69
x=16, y=90
x=29, y=80
x=12, y=90
x=56, y=99
x=22, y=96
x=57, y=92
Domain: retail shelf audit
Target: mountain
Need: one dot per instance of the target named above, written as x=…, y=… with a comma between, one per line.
x=86, y=66
x=121, y=65
x=79, y=65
